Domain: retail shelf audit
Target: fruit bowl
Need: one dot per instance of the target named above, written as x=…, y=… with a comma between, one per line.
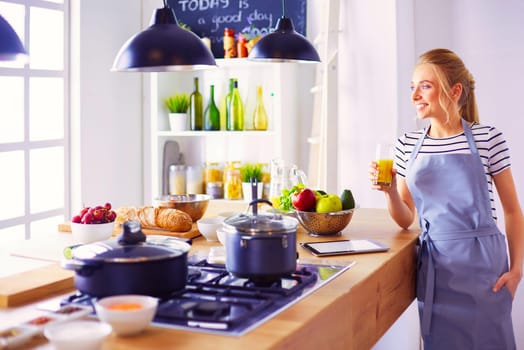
x=193, y=204
x=87, y=233
x=324, y=224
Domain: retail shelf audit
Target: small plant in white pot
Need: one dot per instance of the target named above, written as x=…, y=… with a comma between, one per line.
x=249, y=171
x=177, y=106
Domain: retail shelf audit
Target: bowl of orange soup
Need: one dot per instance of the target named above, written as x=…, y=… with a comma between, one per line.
x=127, y=314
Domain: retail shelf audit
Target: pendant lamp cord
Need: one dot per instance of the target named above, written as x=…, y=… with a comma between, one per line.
x=283, y=8
x=165, y=3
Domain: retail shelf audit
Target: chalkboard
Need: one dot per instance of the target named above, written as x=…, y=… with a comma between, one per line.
x=208, y=18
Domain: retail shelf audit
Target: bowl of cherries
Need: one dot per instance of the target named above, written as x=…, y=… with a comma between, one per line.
x=93, y=224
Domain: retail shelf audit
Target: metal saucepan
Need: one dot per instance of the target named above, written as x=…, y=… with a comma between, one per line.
x=129, y=265
x=261, y=247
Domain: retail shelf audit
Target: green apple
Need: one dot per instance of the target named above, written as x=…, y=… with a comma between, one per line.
x=328, y=203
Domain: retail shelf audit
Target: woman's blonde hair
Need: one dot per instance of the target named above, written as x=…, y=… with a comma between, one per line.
x=450, y=70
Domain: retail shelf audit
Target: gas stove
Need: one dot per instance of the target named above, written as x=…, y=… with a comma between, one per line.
x=214, y=301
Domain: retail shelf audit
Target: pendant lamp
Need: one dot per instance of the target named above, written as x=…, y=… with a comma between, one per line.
x=11, y=48
x=163, y=46
x=284, y=44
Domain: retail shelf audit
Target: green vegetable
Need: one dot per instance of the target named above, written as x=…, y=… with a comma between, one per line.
x=285, y=203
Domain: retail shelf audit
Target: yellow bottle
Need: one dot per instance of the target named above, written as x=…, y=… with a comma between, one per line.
x=260, y=115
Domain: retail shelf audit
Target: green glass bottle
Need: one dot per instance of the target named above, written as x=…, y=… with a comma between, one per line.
x=212, y=114
x=259, y=115
x=227, y=100
x=196, y=108
x=236, y=110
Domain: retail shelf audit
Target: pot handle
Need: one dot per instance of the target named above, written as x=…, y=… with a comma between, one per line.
x=253, y=204
x=81, y=267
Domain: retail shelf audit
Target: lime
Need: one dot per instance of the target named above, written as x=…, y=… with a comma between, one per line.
x=348, y=202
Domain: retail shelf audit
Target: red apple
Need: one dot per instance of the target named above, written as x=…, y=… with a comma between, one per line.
x=304, y=200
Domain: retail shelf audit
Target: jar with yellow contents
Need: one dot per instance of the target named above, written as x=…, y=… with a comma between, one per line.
x=232, y=183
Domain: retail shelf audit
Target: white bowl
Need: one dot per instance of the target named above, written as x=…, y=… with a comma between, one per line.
x=79, y=335
x=221, y=234
x=208, y=227
x=87, y=233
x=226, y=214
x=127, y=320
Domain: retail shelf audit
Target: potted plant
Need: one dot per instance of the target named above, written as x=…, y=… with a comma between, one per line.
x=177, y=105
x=249, y=171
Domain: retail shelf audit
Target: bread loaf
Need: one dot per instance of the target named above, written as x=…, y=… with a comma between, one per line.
x=151, y=217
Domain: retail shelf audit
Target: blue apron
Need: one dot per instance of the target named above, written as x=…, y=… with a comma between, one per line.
x=462, y=253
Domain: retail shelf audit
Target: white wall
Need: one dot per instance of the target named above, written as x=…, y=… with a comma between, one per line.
x=107, y=122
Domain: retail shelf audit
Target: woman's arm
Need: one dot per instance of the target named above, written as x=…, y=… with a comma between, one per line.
x=514, y=222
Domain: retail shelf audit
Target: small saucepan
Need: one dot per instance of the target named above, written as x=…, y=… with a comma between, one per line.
x=260, y=247
x=129, y=265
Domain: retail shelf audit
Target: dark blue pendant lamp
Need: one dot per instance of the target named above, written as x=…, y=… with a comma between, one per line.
x=284, y=44
x=163, y=46
x=11, y=48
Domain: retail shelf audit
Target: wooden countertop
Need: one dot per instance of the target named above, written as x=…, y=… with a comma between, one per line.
x=351, y=312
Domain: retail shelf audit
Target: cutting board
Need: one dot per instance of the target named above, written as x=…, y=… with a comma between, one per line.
x=66, y=227
x=36, y=284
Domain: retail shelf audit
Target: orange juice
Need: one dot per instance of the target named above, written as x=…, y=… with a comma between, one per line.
x=384, y=176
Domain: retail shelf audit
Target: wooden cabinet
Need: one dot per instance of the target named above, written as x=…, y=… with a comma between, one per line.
x=282, y=90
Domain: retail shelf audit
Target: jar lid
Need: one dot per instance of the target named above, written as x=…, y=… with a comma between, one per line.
x=111, y=251
x=262, y=224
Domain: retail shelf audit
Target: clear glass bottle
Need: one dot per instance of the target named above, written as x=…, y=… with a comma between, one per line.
x=236, y=110
x=212, y=114
x=177, y=179
x=196, y=114
x=195, y=179
x=259, y=115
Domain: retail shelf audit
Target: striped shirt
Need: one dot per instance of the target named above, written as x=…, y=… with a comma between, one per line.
x=490, y=142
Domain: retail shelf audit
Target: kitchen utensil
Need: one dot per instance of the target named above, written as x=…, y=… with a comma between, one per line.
x=324, y=224
x=127, y=314
x=260, y=247
x=208, y=227
x=171, y=155
x=129, y=265
x=82, y=335
x=193, y=204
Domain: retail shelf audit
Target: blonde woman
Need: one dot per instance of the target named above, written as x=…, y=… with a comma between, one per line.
x=446, y=175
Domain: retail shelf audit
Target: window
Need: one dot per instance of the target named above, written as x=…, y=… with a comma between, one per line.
x=34, y=121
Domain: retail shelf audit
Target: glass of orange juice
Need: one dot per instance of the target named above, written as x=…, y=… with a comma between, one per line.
x=384, y=159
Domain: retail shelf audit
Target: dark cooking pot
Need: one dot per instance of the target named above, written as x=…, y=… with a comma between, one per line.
x=261, y=247
x=129, y=265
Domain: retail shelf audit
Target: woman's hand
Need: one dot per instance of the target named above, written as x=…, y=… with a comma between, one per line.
x=373, y=175
x=509, y=279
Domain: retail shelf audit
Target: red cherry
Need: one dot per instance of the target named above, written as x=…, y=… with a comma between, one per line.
x=111, y=216
x=76, y=219
x=87, y=218
x=107, y=206
x=83, y=211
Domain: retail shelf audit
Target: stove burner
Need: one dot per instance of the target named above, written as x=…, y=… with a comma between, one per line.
x=211, y=308
x=268, y=282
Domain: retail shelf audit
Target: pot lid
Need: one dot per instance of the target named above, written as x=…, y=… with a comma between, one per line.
x=131, y=248
x=261, y=224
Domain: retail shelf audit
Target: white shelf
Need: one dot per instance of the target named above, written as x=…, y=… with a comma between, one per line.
x=218, y=133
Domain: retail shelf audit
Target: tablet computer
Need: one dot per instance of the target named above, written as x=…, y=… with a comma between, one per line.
x=342, y=247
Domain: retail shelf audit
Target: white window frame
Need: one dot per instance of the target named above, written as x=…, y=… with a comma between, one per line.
x=26, y=146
